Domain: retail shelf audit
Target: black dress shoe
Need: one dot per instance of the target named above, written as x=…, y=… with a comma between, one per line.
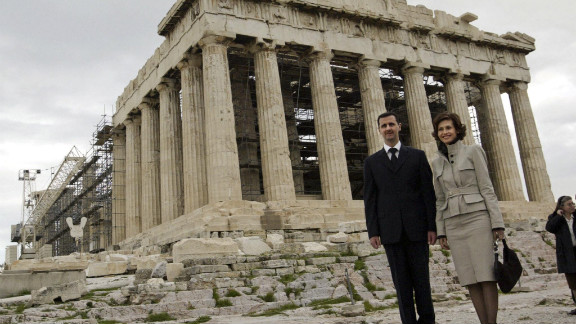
x=572, y=312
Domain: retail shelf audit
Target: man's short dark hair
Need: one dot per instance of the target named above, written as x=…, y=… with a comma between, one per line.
x=386, y=114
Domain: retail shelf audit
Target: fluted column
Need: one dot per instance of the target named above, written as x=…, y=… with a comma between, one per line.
x=456, y=102
x=171, y=182
x=373, y=102
x=223, y=171
x=500, y=152
x=150, y=131
x=119, y=186
x=274, y=151
x=533, y=163
x=329, y=140
x=293, y=139
x=245, y=119
x=133, y=178
x=419, y=117
x=193, y=151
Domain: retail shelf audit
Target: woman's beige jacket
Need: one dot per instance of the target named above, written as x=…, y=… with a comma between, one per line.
x=462, y=185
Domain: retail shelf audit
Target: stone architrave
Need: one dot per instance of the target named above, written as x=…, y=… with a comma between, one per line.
x=245, y=120
x=293, y=139
x=499, y=150
x=171, y=182
x=276, y=163
x=194, y=162
x=223, y=173
x=133, y=176
x=533, y=163
x=373, y=102
x=329, y=139
x=118, y=186
x=150, y=133
x=456, y=102
x=419, y=116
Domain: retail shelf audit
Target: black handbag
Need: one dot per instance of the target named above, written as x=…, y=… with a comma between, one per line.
x=509, y=271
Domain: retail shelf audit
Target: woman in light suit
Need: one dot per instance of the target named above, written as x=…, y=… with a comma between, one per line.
x=468, y=218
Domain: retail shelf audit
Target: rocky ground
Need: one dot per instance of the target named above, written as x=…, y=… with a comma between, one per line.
x=546, y=306
x=285, y=286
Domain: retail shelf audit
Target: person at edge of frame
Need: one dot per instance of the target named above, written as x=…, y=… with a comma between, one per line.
x=561, y=224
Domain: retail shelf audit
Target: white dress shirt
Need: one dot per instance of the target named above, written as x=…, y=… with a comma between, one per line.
x=571, y=228
x=397, y=147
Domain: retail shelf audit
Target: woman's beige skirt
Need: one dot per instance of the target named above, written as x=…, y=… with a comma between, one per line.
x=472, y=246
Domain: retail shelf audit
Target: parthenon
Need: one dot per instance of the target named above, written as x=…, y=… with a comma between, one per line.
x=256, y=116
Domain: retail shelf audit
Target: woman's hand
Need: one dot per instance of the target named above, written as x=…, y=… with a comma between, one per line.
x=444, y=243
x=498, y=234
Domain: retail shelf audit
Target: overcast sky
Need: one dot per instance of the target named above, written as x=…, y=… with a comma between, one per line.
x=64, y=63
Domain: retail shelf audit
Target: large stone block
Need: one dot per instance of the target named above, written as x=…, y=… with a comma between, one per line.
x=14, y=283
x=252, y=245
x=63, y=292
x=201, y=248
x=173, y=270
x=101, y=269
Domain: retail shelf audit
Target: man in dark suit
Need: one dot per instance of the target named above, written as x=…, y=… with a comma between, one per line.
x=400, y=214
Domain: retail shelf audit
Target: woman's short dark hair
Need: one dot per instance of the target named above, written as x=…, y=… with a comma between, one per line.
x=460, y=128
x=561, y=201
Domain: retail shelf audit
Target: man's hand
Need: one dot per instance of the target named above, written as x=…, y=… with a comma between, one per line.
x=375, y=241
x=444, y=243
x=431, y=238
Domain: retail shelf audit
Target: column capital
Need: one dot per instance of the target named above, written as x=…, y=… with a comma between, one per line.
x=225, y=39
x=190, y=60
x=128, y=121
x=517, y=85
x=454, y=76
x=363, y=62
x=415, y=67
x=261, y=44
x=148, y=102
x=326, y=54
x=492, y=79
x=168, y=83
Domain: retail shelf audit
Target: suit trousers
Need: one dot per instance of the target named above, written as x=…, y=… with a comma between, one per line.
x=409, y=266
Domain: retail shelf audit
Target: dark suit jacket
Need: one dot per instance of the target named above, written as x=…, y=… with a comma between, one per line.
x=565, y=258
x=399, y=198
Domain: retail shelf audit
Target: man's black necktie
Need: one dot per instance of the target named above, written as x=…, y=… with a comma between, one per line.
x=393, y=157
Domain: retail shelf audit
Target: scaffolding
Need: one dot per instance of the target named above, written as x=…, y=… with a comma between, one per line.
x=299, y=112
x=84, y=190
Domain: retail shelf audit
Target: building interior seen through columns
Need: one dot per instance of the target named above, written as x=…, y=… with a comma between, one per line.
x=257, y=116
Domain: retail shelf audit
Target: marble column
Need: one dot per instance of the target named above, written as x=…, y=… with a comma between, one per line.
x=533, y=163
x=499, y=150
x=274, y=151
x=456, y=102
x=419, y=117
x=118, y=186
x=329, y=139
x=150, y=131
x=133, y=176
x=293, y=139
x=373, y=102
x=245, y=120
x=194, y=163
x=223, y=170
x=171, y=182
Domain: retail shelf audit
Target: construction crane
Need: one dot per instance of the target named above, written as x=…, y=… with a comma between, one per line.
x=28, y=178
x=32, y=219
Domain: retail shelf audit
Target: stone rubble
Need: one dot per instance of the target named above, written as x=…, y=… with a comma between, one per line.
x=302, y=285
